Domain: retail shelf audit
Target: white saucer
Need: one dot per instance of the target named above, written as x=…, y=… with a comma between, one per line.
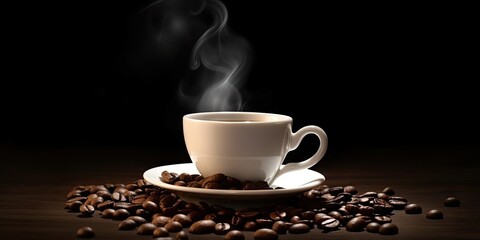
x=292, y=183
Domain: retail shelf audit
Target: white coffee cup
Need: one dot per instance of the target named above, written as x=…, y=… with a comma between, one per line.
x=246, y=145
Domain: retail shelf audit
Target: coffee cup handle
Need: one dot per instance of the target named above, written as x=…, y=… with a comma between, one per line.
x=296, y=139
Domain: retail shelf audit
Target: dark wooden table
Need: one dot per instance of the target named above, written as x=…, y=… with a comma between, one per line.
x=35, y=181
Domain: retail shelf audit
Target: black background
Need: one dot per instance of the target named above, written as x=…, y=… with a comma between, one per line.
x=368, y=74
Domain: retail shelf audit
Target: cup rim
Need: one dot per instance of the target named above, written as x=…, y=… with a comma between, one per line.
x=216, y=117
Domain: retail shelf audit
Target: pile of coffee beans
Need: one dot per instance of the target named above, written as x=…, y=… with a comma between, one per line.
x=151, y=210
x=216, y=181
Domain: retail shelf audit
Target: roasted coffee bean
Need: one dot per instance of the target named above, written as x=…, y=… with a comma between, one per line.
x=373, y=227
x=104, y=205
x=150, y=206
x=234, y=235
x=434, y=214
x=335, y=214
x=217, y=178
x=127, y=224
x=248, y=213
x=250, y=225
x=280, y=227
x=264, y=223
x=108, y=213
x=389, y=191
x=320, y=217
x=85, y=232
x=383, y=196
x=307, y=215
x=382, y=219
x=249, y=186
x=160, y=232
x=382, y=206
x=329, y=224
x=183, y=219
x=352, y=209
x=350, y=189
x=74, y=206
x=356, y=224
x=278, y=215
x=366, y=210
x=298, y=228
x=222, y=228
x=369, y=195
x=196, y=215
x=121, y=214
x=138, y=220
x=182, y=235
x=80, y=199
x=87, y=210
x=413, y=208
x=388, y=229
x=74, y=193
x=451, y=202
x=202, y=227
x=146, y=229
x=397, y=204
x=167, y=177
x=119, y=197
x=173, y=226
x=312, y=194
x=265, y=234
x=398, y=198
x=185, y=177
x=233, y=182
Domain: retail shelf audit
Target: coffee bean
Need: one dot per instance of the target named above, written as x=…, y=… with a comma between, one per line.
x=182, y=235
x=234, y=235
x=388, y=229
x=413, y=208
x=108, y=213
x=160, y=232
x=183, y=219
x=218, y=178
x=350, y=189
x=137, y=219
x=299, y=228
x=87, y=210
x=150, y=206
x=389, y=191
x=202, y=227
x=451, y=202
x=382, y=206
x=278, y=215
x=265, y=234
x=250, y=226
x=146, y=229
x=222, y=228
x=85, y=232
x=320, y=217
x=167, y=177
x=329, y=224
x=121, y=214
x=382, y=219
x=356, y=224
x=74, y=193
x=434, y=214
x=161, y=221
x=280, y=227
x=173, y=226
x=397, y=204
x=74, y=206
x=373, y=227
x=104, y=205
x=127, y=224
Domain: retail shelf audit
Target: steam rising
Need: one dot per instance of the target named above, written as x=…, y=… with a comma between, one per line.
x=221, y=57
